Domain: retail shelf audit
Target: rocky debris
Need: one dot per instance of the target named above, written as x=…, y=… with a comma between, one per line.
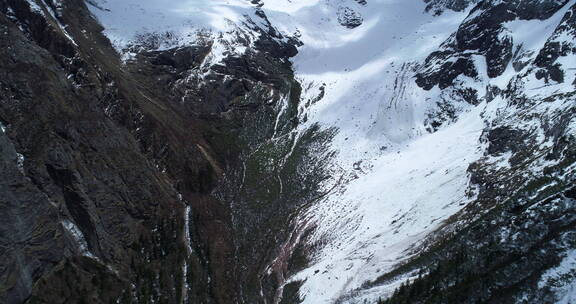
x=438, y=6
x=349, y=18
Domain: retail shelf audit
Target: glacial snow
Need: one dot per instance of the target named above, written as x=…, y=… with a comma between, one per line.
x=404, y=181
x=560, y=278
x=126, y=19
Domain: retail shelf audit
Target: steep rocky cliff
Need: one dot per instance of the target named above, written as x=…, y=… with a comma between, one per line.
x=109, y=168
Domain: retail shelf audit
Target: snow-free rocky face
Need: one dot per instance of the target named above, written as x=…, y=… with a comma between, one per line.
x=276, y=151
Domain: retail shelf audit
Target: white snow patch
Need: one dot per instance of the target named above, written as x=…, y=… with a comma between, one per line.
x=125, y=20
x=35, y=7
x=78, y=236
x=561, y=279
x=187, y=240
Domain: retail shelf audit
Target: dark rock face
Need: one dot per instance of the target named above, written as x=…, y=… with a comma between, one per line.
x=87, y=197
x=78, y=278
x=554, y=49
x=178, y=58
x=24, y=232
x=482, y=33
x=100, y=165
x=483, y=45
x=526, y=9
x=451, y=70
x=99, y=170
x=502, y=140
x=262, y=162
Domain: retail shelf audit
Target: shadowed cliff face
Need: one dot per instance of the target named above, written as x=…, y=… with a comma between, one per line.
x=268, y=172
x=110, y=169
x=98, y=167
x=94, y=210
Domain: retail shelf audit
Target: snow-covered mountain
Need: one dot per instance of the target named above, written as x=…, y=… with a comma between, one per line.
x=288, y=151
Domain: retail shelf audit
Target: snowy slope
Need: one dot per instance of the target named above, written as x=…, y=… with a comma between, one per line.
x=401, y=182
x=125, y=20
x=367, y=70
x=555, y=275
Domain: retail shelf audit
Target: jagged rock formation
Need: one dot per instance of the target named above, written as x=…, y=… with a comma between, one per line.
x=349, y=18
